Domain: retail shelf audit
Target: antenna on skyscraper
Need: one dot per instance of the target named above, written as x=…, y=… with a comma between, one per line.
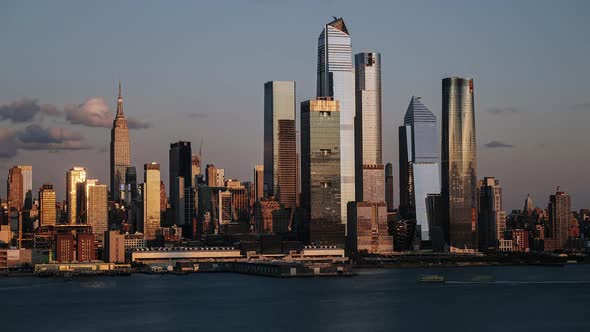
x=201, y=148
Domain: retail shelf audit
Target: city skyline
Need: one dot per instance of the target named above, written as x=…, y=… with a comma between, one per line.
x=508, y=155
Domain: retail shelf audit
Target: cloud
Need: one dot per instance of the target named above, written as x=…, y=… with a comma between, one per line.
x=35, y=137
x=8, y=146
x=498, y=144
x=503, y=110
x=583, y=107
x=197, y=115
x=96, y=113
x=25, y=110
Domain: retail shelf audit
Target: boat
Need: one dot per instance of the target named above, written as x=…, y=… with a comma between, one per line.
x=432, y=278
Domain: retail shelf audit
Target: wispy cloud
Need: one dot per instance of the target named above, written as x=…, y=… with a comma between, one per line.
x=25, y=110
x=96, y=113
x=498, y=145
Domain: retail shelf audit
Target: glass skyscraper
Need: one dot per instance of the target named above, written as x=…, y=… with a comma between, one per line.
x=458, y=171
x=335, y=78
x=419, y=158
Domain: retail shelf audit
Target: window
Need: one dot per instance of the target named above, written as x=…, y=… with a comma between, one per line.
x=325, y=152
x=325, y=114
x=325, y=184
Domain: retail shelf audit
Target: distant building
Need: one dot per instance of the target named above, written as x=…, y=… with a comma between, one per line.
x=280, y=144
x=320, y=171
x=560, y=216
x=74, y=177
x=27, y=172
x=15, y=188
x=196, y=168
x=418, y=169
x=136, y=240
x=85, y=247
x=459, y=163
x=97, y=213
x=120, y=152
x=258, y=182
x=47, y=209
x=65, y=248
x=491, y=219
x=389, y=186
x=114, y=247
x=368, y=230
x=215, y=177
x=151, y=200
x=180, y=178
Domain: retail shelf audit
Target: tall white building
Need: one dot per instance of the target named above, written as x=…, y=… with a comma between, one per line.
x=335, y=78
x=151, y=200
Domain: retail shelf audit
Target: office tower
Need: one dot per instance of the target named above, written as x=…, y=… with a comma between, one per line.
x=240, y=200
x=64, y=247
x=180, y=179
x=367, y=228
x=85, y=246
x=320, y=171
x=418, y=158
x=560, y=216
x=47, y=210
x=27, y=183
x=528, y=205
x=163, y=198
x=120, y=151
x=225, y=207
x=215, y=177
x=459, y=164
x=74, y=176
x=151, y=199
x=335, y=78
x=369, y=170
x=114, y=247
x=491, y=218
x=96, y=212
x=195, y=168
x=131, y=184
x=435, y=222
x=14, y=185
x=279, y=140
x=258, y=182
x=389, y=186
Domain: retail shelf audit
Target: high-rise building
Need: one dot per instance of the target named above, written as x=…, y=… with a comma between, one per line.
x=27, y=182
x=320, y=171
x=258, y=182
x=240, y=200
x=47, y=210
x=215, y=177
x=335, y=78
x=114, y=247
x=96, y=209
x=419, y=169
x=369, y=168
x=280, y=147
x=151, y=200
x=368, y=230
x=560, y=217
x=74, y=177
x=65, y=248
x=120, y=152
x=459, y=164
x=491, y=218
x=131, y=184
x=14, y=185
x=195, y=167
x=180, y=178
x=389, y=186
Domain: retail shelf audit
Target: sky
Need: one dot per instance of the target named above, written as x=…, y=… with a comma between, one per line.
x=195, y=70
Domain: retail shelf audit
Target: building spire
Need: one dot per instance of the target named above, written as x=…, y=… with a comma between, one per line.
x=120, y=103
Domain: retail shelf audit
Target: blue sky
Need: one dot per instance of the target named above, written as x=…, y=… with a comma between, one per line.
x=196, y=69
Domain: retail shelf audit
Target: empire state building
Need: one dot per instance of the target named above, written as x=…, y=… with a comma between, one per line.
x=120, y=152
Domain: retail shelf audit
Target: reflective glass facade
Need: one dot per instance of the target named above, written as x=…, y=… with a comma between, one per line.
x=335, y=78
x=74, y=176
x=458, y=171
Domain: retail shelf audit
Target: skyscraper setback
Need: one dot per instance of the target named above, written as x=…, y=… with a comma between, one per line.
x=459, y=179
x=335, y=78
x=419, y=168
x=120, y=151
x=280, y=143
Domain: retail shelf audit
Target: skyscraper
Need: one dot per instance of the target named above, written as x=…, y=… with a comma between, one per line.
x=120, y=151
x=47, y=210
x=280, y=145
x=151, y=200
x=560, y=217
x=335, y=78
x=418, y=158
x=195, y=167
x=320, y=171
x=74, y=176
x=97, y=213
x=491, y=218
x=14, y=185
x=180, y=178
x=215, y=177
x=389, y=186
x=258, y=182
x=459, y=164
x=27, y=182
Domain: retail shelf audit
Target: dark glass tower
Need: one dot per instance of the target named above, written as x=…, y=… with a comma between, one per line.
x=180, y=178
x=458, y=171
